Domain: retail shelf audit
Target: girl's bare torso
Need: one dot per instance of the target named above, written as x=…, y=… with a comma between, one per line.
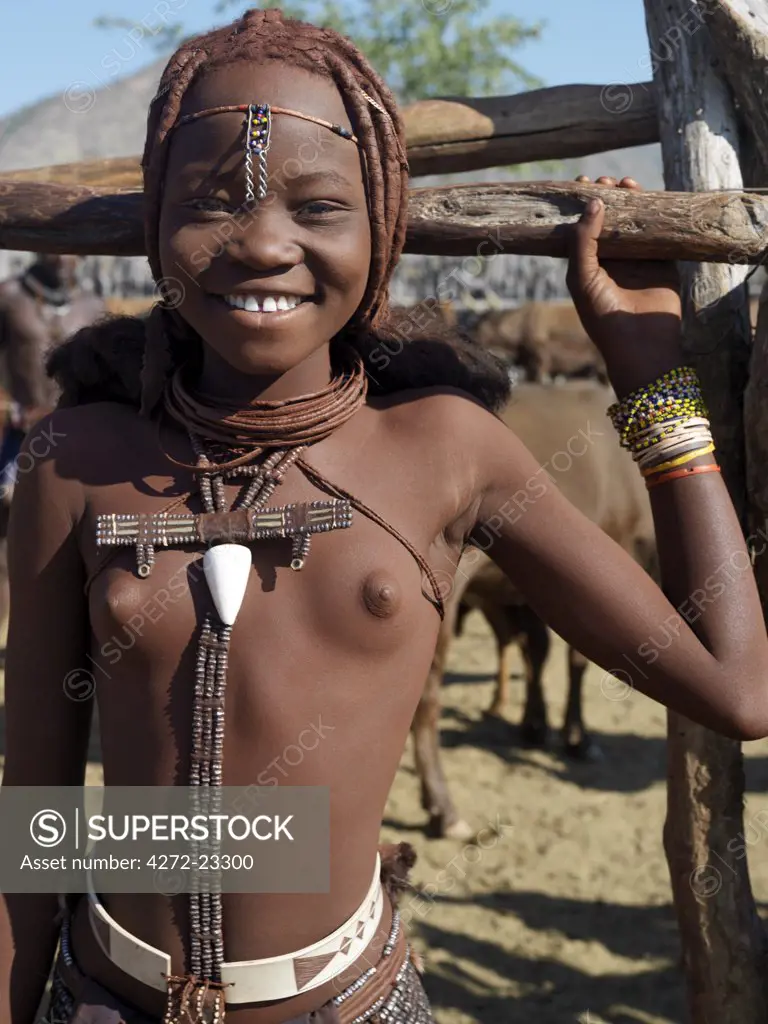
x=330, y=660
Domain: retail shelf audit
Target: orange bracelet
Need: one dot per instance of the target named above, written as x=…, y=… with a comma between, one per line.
x=678, y=474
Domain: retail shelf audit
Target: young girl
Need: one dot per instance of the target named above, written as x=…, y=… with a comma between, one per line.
x=275, y=181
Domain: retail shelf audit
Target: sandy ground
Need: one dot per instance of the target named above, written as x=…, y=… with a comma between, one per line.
x=561, y=914
x=567, y=917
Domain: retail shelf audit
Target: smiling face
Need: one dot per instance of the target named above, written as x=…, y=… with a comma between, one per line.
x=265, y=285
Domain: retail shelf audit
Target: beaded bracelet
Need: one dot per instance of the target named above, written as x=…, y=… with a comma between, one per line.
x=681, y=460
x=680, y=442
x=650, y=437
x=683, y=379
x=674, y=395
x=678, y=474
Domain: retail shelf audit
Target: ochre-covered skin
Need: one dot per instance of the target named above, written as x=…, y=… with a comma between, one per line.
x=339, y=652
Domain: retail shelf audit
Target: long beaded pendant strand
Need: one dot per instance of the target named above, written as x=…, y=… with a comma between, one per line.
x=232, y=561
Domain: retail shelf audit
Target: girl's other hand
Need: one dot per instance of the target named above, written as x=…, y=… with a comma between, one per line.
x=630, y=308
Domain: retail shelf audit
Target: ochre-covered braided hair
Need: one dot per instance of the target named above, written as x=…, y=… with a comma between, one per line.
x=259, y=36
x=435, y=356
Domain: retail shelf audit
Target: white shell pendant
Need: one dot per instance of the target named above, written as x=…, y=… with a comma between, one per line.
x=226, y=568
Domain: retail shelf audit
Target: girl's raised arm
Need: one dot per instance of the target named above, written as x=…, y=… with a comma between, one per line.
x=48, y=699
x=584, y=585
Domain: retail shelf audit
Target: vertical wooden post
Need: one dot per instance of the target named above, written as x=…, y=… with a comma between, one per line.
x=722, y=938
x=740, y=30
x=756, y=425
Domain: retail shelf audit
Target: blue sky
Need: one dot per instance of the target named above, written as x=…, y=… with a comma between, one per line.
x=46, y=45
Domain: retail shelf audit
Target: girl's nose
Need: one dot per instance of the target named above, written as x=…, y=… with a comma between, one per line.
x=266, y=239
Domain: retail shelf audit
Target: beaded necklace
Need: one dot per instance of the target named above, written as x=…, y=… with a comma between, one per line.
x=226, y=445
x=227, y=567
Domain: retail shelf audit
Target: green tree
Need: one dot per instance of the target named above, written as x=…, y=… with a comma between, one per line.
x=421, y=48
x=425, y=48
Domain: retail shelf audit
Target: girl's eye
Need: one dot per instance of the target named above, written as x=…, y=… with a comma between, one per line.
x=319, y=207
x=209, y=204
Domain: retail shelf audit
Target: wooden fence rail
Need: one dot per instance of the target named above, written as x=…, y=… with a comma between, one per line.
x=464, y=134
x=461, y=220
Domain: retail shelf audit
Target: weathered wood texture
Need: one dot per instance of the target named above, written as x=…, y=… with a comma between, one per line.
x=722, y=938
x=756, y=429
x=464, y=134
x=114, y=173
x=473, y=220
x=547, y=124
x=743, y=26
x=40, y=217
x=739, y=30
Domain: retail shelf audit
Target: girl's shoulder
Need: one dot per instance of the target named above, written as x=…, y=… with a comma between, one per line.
x=63, y=457
x=446, y=428
x=96, y=423
x=437, y=409
x=76, y=440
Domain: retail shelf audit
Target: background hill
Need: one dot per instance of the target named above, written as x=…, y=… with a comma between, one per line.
x=81, y=123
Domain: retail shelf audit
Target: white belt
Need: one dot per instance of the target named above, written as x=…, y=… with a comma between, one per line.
x=248, y=981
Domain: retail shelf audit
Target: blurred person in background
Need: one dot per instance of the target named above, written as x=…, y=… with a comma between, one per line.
x=39, y=309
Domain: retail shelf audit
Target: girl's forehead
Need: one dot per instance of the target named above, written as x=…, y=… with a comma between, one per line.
x=274, y=82
x=212, y=148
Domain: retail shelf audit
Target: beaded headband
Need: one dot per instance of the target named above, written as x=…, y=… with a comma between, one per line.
x=258, y=131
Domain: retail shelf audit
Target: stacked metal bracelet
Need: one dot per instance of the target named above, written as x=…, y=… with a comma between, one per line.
x=665, y=425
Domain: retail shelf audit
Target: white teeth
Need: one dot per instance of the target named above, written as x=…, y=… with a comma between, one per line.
x=269, y=304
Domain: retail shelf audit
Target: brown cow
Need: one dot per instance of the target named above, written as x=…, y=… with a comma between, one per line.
x=545, y=339
x=427, y=314
x=566, y=429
